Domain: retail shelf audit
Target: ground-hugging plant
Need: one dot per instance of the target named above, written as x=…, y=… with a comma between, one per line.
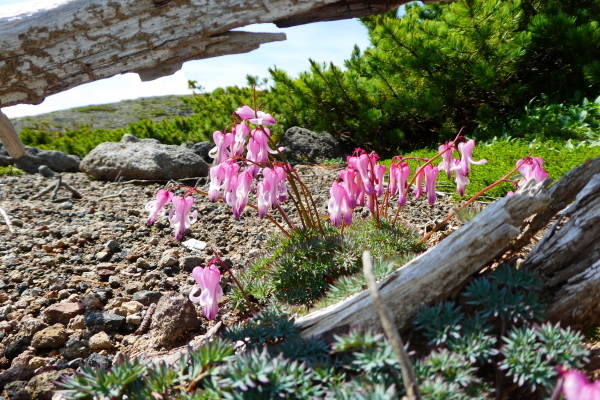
x=470, y=348
x=302, y=269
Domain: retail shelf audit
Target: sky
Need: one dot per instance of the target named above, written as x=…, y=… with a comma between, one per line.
x=322, y=42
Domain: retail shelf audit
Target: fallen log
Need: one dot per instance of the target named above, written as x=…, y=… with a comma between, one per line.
x=435, y=275
x=568, y=261
x=60, y=46
x=66, y=43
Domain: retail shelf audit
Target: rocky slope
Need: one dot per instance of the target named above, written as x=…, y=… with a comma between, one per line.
x=78, y=276
x=107, y=116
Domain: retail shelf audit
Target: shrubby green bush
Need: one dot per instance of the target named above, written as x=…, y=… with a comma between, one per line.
x=502, y=156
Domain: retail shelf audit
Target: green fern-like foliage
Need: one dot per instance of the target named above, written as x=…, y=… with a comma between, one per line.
x=467, y=353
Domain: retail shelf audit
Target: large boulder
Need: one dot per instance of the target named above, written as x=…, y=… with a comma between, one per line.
x=202, y=149
x=57, y=161
x=303, y=145
x=134, y=158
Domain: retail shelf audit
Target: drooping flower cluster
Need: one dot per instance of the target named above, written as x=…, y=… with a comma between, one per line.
x=363, y=181
x=207, y=280
x=179, y=217
x=531, y=168
x=239, y=161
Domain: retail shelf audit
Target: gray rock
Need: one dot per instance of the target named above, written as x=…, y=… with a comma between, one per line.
x=307, y=146
x=104, y=321
x=147, y=297
x=16, y=348
x=42, y=386
x=98, y=361
x=17, y=390
x=202, y=149
x=76, y=348
x=134, y=158
x=57, y=161
x=45, y=171
x=30, y=326
x=174, y=318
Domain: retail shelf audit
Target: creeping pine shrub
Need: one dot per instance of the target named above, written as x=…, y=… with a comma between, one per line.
x=466, y=345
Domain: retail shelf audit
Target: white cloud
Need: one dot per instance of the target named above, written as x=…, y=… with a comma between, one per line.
x=323, y=42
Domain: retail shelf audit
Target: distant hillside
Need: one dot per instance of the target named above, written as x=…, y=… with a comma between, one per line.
x=108, y=116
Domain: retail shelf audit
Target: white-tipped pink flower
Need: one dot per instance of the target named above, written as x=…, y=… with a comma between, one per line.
x=418, y=190
x=217, y=174
x=156, y=206
x=222, y=149
x=244, y=184
x=258, y=149
x=531, y=168
x=402, y=177
x=461, y=179
x=431, y=174
x=576, y=386
x=179, y=217
x=207, y=280
x=446, y=150
x=348, y=177
x=466, y=156
x=379, y=172
x=240, y=132
x=338, y=206
x=257, y=117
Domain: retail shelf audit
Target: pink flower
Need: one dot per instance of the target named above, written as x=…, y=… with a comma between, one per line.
x=431, y=174
x=281, y=180
x=217, y=173
x=179, y=218
x=447, y=163
x=466, y=156
x=207, y=280
x=244, y=184
x=576, y=386
x=349, y=183
x=240, y=132
x=338, y=206
x=222, y=142
x=402, y=177
x=255, y=117
x=362, y=165
x=461, y=179
x=531, y=168
x=418, y=190
x=379, y=171
x=156, y=206
x=258, y=149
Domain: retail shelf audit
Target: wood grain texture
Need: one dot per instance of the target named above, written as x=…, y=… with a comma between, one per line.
x=9, y=137
x=79, y=41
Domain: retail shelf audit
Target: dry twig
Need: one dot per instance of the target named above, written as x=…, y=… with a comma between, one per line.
x=11, y=228
x=408, y=373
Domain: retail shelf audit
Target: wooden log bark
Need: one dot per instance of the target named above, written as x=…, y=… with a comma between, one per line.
x=436, y=274
x=568, y=260
x=9, y=137
x=54, y=49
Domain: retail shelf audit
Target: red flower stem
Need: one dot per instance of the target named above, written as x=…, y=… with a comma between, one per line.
x=469, y=202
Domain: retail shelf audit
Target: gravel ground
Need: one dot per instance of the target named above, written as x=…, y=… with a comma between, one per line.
x=78, y=276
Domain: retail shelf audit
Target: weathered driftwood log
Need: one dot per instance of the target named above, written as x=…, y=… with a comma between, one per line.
x=436, y=274
x=568, y=260
x=54, y=48
x=79, y=41
x=9, y=138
